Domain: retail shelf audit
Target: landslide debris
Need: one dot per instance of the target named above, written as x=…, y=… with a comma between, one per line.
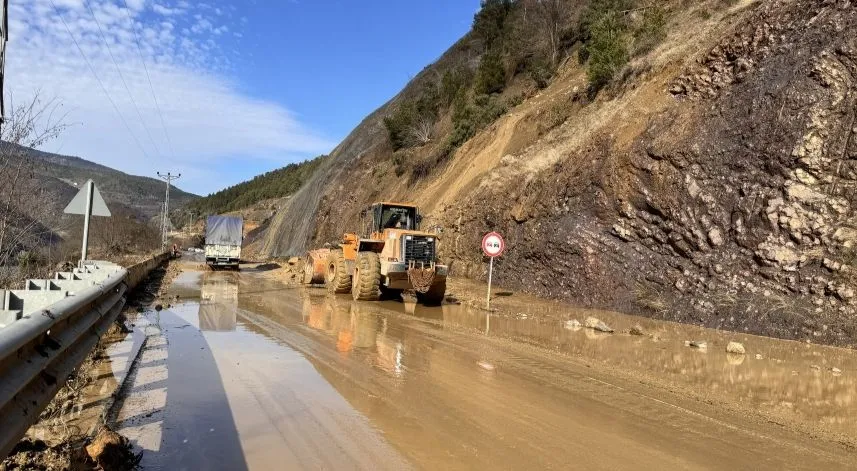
x=732, y=208
x=712, y=182
x=107, y=451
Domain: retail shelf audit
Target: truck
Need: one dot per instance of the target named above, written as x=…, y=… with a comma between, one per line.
x=390, y=255
x=223, y=238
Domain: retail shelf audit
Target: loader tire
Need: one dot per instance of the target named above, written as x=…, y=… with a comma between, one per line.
x=338, y=279
x=366, y=285
x=435, y=295
x=307, y=279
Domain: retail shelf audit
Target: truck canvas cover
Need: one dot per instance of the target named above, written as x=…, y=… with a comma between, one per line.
x=223, y=230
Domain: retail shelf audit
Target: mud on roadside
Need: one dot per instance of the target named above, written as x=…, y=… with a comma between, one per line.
x=71, y=434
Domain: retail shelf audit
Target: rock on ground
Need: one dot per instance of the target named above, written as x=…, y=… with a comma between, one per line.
x=735, y=347
x=597, y=324
x=637, y=330
x=572, y=324
x=112, y=451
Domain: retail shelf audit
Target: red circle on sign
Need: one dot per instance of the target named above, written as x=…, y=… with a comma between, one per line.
x=493, y=244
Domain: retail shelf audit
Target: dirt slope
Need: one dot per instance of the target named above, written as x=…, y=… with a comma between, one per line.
x=714, y=185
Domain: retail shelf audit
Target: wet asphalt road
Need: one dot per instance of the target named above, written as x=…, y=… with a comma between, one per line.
x=244, y=373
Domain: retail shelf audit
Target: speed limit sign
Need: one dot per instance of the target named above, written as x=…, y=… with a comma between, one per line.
x=493, y=244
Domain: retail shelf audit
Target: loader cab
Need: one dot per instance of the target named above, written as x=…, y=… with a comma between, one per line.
x=394, y=216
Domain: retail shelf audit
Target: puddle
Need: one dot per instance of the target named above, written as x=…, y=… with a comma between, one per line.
x=212, y=394
x=259, y=375
x=218, y=308
x=186, y=285
x=810, y=383
x=424, y=378
x=802, y=382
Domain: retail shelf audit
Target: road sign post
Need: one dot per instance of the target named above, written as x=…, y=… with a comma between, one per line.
x=86, y=215
x=493, y=245
x=88, y=202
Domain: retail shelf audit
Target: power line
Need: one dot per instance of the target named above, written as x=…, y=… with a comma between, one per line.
x=103, y=88
x=148, y=78
x=121, y=76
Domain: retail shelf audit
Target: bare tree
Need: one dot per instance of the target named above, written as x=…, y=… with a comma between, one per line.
x=420, y=133
x=552, y=16
x=24, y=212
x=123, y=233
x=546, y=19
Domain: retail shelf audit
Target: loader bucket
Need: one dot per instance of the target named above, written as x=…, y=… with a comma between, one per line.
x=315, y=266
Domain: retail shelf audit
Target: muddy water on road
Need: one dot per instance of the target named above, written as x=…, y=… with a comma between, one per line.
x=211, y=394
x=266, y=377
x=807, y=385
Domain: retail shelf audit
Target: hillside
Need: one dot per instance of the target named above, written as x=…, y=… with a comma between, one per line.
x=690, y=161
x=277, y=183
x=143, y=195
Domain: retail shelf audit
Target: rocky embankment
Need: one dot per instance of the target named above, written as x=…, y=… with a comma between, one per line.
x=733, y=209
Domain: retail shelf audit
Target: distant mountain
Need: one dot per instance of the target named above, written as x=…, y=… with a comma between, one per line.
x=62, y=174
x=278, y=183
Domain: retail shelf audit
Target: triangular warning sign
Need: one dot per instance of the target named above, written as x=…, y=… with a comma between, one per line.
x=78, y=204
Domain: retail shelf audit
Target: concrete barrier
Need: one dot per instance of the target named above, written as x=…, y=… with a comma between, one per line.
x=138, y=272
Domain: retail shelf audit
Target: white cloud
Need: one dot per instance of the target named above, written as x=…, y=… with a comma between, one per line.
x=136, y=5
x=210, y=123
x=202, y=25
x=167, y=11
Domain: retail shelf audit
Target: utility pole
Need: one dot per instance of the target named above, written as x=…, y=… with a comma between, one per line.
x=4, y=38
x=165, y=222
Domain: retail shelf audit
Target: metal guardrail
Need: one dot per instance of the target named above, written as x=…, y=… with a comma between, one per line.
x=46, y=330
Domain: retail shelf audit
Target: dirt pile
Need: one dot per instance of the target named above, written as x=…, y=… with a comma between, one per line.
x=289, y=271
x=714, y=185
x=37, y=455
x=111, y=451
x=106, y=451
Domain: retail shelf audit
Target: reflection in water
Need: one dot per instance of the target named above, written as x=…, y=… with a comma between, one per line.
x=218, y=308
x=781, y=381
x=790, y=378
x=357, y=328
x=396, y=338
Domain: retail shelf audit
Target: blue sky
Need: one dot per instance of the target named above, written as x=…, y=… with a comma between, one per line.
x=242, y=86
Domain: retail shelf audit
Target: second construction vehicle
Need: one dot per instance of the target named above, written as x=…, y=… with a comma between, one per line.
x=391, y=256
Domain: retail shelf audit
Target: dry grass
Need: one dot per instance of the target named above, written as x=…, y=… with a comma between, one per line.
x=651, y=297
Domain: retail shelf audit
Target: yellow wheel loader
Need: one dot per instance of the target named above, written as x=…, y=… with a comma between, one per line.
x=391, y=256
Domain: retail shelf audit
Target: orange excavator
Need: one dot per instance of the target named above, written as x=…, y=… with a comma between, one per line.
x=391, y=256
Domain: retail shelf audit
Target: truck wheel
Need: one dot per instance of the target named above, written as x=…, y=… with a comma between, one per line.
x=434, y=296
x=367, y=277
x=338, y=278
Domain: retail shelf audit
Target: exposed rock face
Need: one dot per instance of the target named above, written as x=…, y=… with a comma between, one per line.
x=733, y=209
x=774, y=164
